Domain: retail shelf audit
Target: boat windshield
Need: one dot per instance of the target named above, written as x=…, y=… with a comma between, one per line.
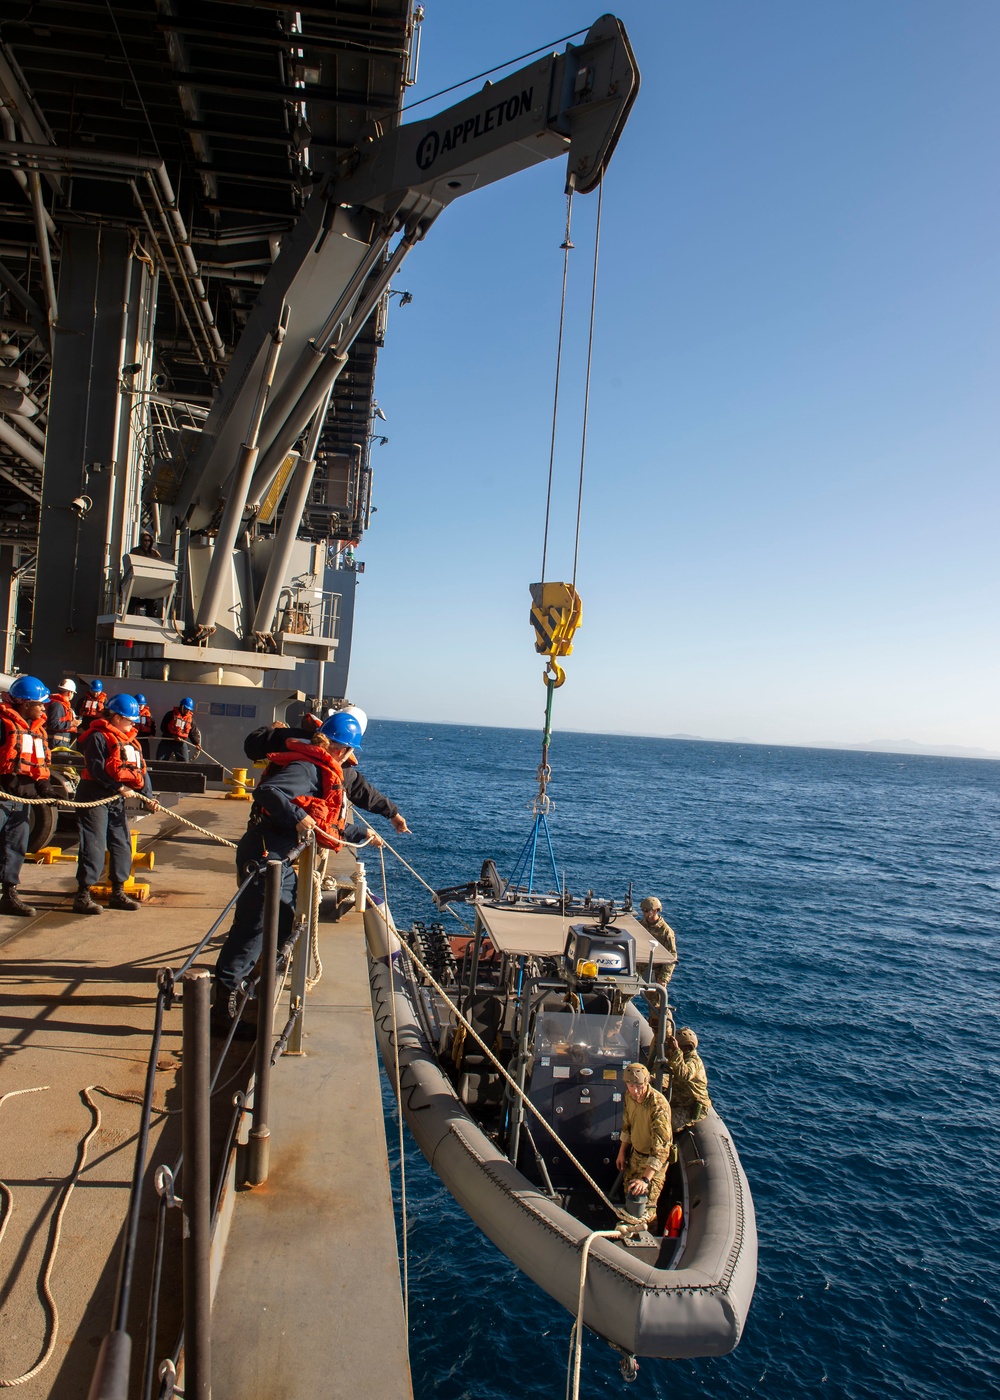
x=581, y=1035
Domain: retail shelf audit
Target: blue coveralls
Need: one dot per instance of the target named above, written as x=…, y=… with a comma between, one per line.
x=103, y=828
x=15, y=830
x=15, y=821
x=271, y=834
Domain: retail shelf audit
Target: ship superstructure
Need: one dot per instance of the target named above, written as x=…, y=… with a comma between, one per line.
x=205, y=206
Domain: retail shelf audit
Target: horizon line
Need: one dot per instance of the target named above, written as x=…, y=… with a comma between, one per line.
x=914, y=749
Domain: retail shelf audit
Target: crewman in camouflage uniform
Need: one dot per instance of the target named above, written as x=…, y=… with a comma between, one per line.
x=689, y=1099
x=657, y=927
x=646, y=1139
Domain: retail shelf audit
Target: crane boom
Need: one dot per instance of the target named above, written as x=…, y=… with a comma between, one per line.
x=335, y=265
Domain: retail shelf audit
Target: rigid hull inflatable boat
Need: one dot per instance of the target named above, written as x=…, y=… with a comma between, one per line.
x=547, y=984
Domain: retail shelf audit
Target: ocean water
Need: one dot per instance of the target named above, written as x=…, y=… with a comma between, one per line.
x=836, y=915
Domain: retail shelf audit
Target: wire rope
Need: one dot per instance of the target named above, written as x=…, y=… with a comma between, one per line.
x=567, y=246
x=543, y=48
x=586, y=395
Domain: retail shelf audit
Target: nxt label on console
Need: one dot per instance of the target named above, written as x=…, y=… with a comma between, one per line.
x=433, y=144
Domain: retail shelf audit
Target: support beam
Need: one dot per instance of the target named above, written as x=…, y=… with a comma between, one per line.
x=75, y=552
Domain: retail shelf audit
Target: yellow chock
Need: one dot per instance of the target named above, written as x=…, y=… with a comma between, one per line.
x=48, y=855
x=138, y=889
x=239, y=783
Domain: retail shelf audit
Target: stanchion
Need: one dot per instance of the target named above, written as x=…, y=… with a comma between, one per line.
x=110, y=1380
x=259, y=1144
x=304, y=901
x=197, y=1202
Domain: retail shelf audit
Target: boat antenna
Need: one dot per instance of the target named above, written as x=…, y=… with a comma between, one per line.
x=556, y=609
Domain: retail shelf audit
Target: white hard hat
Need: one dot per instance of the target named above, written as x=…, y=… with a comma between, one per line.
x=358, y=714
x=67, y=684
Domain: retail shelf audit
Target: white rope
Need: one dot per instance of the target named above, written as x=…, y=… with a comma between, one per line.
x=406, y=866
x=399, y=1120
x=57, y=801
x=576, y=1334
x=52, y=1312
x=316, y=901
x=623, y=1216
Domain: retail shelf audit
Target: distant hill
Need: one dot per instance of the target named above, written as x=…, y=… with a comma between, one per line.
x=911, y=746
x=875, y=746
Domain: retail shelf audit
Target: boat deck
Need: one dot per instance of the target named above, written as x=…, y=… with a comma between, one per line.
x=310, y=1270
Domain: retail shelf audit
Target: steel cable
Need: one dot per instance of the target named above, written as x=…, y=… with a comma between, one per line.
x=586, y=394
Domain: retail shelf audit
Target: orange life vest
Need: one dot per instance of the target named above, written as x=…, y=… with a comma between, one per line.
x=178, y=723
x=94, y=705
x=327, y=810
x=23, y=751
x=67, y=708
x=147, y=724
x=124, y=764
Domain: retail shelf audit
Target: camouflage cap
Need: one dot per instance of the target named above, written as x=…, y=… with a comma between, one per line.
x=650, y=902
x=636, y=1074
x=687, y=1039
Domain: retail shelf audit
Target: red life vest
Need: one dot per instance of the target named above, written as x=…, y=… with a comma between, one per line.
x=68, y=716
x=23, y=751
x=124, y=764
x=327, y=810
x=178, y=723
x=94, y=705
x=147, y=724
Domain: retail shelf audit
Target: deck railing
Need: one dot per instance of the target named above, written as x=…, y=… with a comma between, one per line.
x=202, y=1198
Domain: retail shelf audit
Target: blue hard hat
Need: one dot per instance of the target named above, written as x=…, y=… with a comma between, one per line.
x=140, y=699
x=29, y=688
x=187, y=703
x=97, y=687
x=125, y=705
x=342, y=728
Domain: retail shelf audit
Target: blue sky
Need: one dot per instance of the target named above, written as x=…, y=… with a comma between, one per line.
x=791, y=500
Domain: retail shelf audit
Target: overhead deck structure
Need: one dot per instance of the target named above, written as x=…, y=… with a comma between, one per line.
x=155, y=154
x=205, y=206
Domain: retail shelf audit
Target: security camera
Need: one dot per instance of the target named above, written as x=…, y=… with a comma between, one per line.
x=159, y=380
x=81, y=505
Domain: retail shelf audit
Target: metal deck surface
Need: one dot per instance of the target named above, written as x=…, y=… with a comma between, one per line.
x=76, y=1009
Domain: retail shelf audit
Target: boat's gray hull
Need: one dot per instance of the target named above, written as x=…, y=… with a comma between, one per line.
x=697, y=1309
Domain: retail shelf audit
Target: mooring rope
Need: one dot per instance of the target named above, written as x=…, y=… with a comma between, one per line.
x=470, y=1029
x=399, y=1119
x=49, y=1303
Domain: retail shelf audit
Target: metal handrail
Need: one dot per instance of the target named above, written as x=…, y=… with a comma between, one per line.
x=202, y=1198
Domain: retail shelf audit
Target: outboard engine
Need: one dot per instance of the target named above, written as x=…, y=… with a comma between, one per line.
x=598, y=950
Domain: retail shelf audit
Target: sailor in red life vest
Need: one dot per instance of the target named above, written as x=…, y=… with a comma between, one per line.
x=146, y=727
x=113, y=763
x=94, y=703
x=359, y=791
x=181, y=736
x=60, y=721
x=301, y=790
x=24, y=772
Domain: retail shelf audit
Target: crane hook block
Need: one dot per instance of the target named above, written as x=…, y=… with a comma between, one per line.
x=556, y=613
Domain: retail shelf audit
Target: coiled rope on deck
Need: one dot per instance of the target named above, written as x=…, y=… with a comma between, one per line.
x=49, y=1302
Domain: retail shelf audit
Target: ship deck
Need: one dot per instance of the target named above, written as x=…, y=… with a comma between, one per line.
x=306, y=1264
